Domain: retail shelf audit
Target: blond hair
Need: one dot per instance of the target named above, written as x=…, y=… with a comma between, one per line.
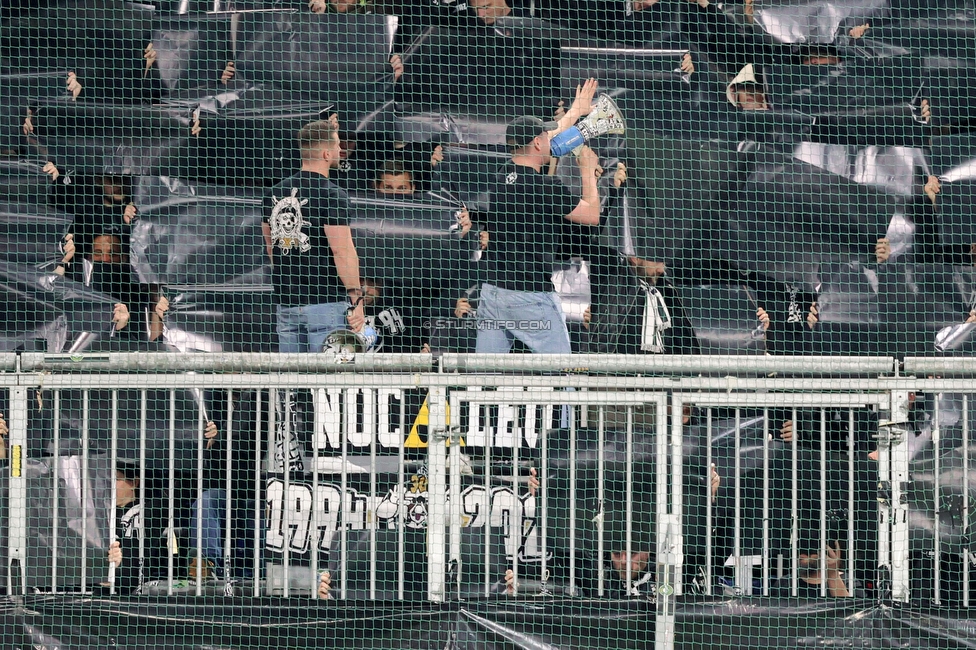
x=313, y=135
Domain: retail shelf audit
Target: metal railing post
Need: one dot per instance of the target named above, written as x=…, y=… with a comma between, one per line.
x=437, y=518
x=668, y=532
x=17, y=500
x=893, y=546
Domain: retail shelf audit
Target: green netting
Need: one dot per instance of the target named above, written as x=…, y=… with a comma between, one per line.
x=272, y=272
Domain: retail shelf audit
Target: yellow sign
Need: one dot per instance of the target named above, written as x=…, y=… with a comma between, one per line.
x=417, y=439
x=15, y=461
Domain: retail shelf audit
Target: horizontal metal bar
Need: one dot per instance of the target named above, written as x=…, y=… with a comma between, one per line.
x=225, y=361
x=940, y=366
x=617, y=51
x=619, y=363
x=292, y=380
x=783, y=399
x=448, y=149
x=8, y=362
x=512, y=397
x=231, y=12
x=149, y=380
x=221, y=288
x=379, y=202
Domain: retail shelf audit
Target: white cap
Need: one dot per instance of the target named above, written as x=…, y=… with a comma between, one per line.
x=746, y=75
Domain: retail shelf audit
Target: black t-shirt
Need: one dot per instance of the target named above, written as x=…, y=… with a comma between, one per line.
x=527, y=220
x=298, y=209
x=399, y=318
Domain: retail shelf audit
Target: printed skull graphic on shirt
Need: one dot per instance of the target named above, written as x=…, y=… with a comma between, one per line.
x=286, y=223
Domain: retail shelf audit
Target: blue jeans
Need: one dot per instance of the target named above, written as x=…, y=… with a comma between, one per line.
x=305, y=328
x=213, y=503
x=536, y=319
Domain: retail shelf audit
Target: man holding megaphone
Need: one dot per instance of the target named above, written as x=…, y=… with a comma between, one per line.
x=603, y=118
x=529, y=211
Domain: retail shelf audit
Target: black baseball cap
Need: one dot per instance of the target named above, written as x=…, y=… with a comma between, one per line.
x=521, y=131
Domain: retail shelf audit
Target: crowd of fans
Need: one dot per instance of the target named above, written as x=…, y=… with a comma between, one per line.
x=542, y=211
x=729, y=61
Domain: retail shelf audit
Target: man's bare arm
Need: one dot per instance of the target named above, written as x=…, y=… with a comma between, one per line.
x=268, y=245
x=345, y=256
x=587, y=211
x=580, y=108
x=347, y=266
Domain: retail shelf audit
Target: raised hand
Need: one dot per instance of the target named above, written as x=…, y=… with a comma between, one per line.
x=149, y=54
x=620, y=176
x=73, y=86
x=763, y=317
x=813, y=316
x=356, y=317
x=464, y=221
x=130, y=213
x=533, y=481
x=115, y=553
x=859, y=31
x=583, y=103
x=68, y=247
x=462, y=308
x=589, y=162
x=4, y=432
x=325, y=586
x=932, y=188
x=195, y=127
x=120, y=316
x=560, y=110
x=51, y=170
x=924, y=111
x=882, y=250
x=786, y=431
x=210, y=433
x=162, y=306
x=511, y=586
x=228, y=73
x=397, y=64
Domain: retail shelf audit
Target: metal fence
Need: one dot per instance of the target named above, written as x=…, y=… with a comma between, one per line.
x=404, y=479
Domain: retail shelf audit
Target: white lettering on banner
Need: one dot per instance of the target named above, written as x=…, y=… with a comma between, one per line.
x=520, y=424
x=532, y=424
x=477, y=436
x=506, y=509
x=359, y=429
x=368, y=412
x=290, y=517
x=328, y=419
x=360, y=415
x=508, y=429
x=289, y=514
x=389, y=431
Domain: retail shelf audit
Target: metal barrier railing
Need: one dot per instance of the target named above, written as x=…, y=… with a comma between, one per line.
x=793, y=405
x=548, y=468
